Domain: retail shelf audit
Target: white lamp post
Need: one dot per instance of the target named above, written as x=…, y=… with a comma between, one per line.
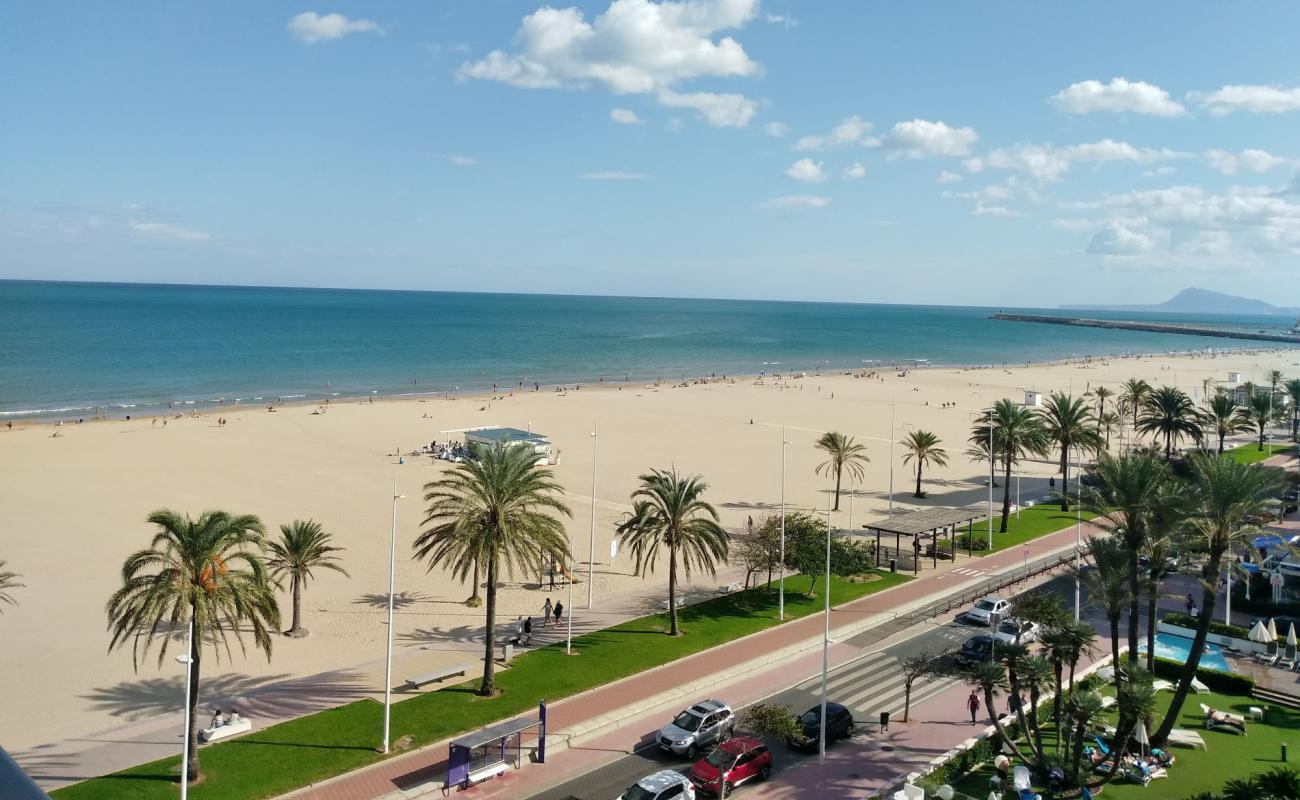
x=591, y=546
x=780, y=601
x=189, y=670
x=392, y=574
x=990, y=481
x=826, y=635
x=1078, y=541
x=568, y=635
x=891, y=459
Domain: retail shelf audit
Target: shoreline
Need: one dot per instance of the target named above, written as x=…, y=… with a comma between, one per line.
x=203, y=407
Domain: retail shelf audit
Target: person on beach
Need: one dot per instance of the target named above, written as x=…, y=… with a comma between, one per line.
x=546, y=612
x=973, y=705
x=559, y=612
x=217, y=720
x=519, y=630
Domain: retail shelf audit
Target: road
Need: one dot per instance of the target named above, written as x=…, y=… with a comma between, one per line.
x=867, y=685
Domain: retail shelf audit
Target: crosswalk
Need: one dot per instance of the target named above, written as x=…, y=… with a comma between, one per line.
x=875, y=684
x=968, y=571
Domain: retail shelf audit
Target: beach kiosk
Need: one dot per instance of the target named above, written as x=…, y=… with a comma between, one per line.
x=493, y=751
x=1234, y=378
x=511, y=437
x=1033, y=399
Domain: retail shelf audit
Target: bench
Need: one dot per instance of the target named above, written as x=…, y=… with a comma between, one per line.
x=436, y=675
x=728, y=588
x=243, y=725
x=488, y=772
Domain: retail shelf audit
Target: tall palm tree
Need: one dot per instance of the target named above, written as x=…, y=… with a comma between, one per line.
x=667, y=510
x=1261, y=410
x=496, y=510
x=1224, y=499
x=1224, y=417
x=1016, y=433
x=923, y=447
x=206, y=571
x=303, y=546
x=1124, y=497
x=8, y=580
x=1292, y=389
x=1070, y=428
x=843, y=455
x=1065, y=644
x=1108, y=586
x=1275, y=377
x=1081, y=709
x=1133, y=394
x=988, y=678
x=1107, y=424
x=1101, y=394
x=1169, y=412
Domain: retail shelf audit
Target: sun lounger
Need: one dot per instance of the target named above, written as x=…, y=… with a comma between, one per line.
x=1162, y=686
x=1107, y=701
x=1288, y=659
x=1228, y=723
x=1182, y=737
x=1198, y=687
x=436, y=675
x=241, y=725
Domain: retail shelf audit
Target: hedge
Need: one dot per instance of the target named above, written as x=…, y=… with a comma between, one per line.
x=1185, y=621
x=1225, y=682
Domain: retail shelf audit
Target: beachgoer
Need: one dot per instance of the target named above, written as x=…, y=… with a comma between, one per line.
x=973, y=705
x=559, y=612
x=528, y=631
x=234, y=717
x=546, y=612
x=519, y=630
x=217, y=720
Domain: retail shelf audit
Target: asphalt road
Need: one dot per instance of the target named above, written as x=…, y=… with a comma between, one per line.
x=867, y=685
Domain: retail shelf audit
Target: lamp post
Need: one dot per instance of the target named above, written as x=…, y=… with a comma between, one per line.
x=780, y=601
x=990, y=481
x=568, y=634
x=189, y=671
x=392, y=574
x=891, y=459
x=591, y=545
x=1078, y=541
x=826, y=636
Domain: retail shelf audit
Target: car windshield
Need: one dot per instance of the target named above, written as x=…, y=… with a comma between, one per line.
x=1009, y=627
x=721, y=759
x=637, y=792
x=687, y=721
x=985, y=605
x=811, y=717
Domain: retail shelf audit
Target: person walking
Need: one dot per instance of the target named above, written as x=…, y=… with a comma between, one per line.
x=528, y=631
x=519, y=630
x=1189, y=604
x=973, y=705
x=546, y=612
x=559, y=612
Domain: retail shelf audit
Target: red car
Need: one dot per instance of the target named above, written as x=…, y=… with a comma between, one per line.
x=735, y=761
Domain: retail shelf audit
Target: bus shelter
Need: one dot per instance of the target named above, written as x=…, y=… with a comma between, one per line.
x=927, y=524
x=493, y=751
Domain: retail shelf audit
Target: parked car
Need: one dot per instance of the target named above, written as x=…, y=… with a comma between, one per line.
x=697, y=728
x=1013, y=631
x=663, y=785
x=733, y=763
x=839, y=725
x=1290, y=499
x=982, y=612
x=975, y=649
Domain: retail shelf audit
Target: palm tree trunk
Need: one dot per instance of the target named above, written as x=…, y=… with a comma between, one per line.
x=839, y=474
x=1006, y=498
x=1208, y=596
x=1057, y=669
x=1169, y=445
x=1221, y=437
x=1065, y=478
x=295, y=628
x=1151, y=625
x=474, y=595
x=918, y=479
x=997, y=725
x=489, y=686
x=1261, y=434
x=192, y=766
x=1078, y=751
x=1134, y=605
x=672, y=589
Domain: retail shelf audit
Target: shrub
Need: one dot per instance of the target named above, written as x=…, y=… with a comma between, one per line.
x=1225, y=682
x=1184, y=621
x=964, y=542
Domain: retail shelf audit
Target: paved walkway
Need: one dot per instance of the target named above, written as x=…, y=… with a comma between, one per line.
x=424, y=771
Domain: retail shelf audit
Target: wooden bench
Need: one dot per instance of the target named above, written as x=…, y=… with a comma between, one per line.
x=436, y=675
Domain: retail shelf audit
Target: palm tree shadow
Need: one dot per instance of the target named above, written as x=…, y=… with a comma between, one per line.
x=267, y=697
x=401, y=600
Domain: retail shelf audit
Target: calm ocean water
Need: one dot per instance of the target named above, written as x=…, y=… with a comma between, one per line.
x=69, y=348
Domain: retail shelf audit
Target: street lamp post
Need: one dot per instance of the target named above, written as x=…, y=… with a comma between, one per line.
x=780, y=602
x=591, y=545
x=392, y=574
x=189, y=724
x=891, y=459
x=826, y=636
x=568, y=634
x=1078, y=541
x=990, y=481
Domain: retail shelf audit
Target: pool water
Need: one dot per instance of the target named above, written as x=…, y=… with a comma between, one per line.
x=1177, y=648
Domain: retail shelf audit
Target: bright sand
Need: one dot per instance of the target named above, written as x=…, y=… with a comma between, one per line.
x=74, y=506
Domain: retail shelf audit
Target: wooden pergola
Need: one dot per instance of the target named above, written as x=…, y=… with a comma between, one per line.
x=926, y=523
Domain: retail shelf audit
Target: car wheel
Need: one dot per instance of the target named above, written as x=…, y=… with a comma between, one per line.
x=692, y=752
x=848, y=729
x=765, y=772
x=726, y=789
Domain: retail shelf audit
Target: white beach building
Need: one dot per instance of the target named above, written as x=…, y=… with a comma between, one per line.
x=511, y=437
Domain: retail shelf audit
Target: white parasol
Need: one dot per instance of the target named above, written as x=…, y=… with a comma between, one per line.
x=1272, y=629
x=1290, y=635
x=1258, y=633
x=1140, y=736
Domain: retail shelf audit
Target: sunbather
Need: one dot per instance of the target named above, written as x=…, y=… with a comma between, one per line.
x=1223, y=718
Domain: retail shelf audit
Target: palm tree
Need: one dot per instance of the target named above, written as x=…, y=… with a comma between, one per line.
x=1123, y=498
x=1260, y=411
x=1069, y=426
x=1133, y=394
x=1292, y=389
x=1108, y=423
x=1101, y=394
x=988, y=678
x=1224, y=499
x=1223, y=416
x=1275, y=377
x=923, y=447
x=1065, y=644
x=495, y=510
x=1108, y=586
x=843, y=454
x=8, y=580
x=667, y=510
x=1081, y=709
x=1016, y=433
x=207, y=572
x=303, y=546
x=1169, y=412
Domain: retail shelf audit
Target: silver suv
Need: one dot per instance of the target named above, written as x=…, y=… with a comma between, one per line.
x=700, y=726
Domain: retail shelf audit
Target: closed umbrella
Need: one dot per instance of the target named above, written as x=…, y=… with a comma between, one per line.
x=1258, y=633
x=1290, y=635
x=1140, y=736
x=1272, y=630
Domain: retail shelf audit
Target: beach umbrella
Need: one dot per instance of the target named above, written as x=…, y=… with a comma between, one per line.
x=1290, y=635
x=1140, y=736
x=1272, y=630
x=1258, y=633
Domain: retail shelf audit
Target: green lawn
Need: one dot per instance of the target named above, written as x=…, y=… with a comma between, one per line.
x=1227, y=755
x=1032, y=523
x=1251, y=454
x=286, y=756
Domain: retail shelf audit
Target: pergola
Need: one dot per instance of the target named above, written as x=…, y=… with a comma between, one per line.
x=925, y=523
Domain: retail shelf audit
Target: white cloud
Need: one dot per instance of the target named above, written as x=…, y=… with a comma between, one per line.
x=310, y=27
x=462, y=161
x=919, y=138
x=854, y=171
x=851, y=131
x=777, y=130
x=1204, y=243
x=1255, y=99
x=674, y=125
x=625, y=116
x=161, y=231
x=613, y=175
x=1120, y=95
x=633, y=47
x=983, y=210
x=806, y=170
x=1120, y=239
x=719, y=110
x=797, y=201
x=1048, y=163
x=1249, y=160
x=1158, y=172
x=948, y=177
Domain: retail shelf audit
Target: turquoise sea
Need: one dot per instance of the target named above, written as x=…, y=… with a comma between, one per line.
x=67, y=349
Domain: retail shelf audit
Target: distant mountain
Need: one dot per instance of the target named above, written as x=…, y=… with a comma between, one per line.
x=1200, y=301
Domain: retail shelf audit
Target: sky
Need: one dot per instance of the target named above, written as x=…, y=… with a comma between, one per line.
x=1018, y=154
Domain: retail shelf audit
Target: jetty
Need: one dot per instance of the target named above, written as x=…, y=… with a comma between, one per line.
x=1154, y=327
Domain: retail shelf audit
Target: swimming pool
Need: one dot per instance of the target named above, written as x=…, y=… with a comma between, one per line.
x=1176, y=648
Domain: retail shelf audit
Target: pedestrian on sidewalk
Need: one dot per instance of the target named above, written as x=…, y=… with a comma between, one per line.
x=1190, y=604
x=519, y=630
x=528, y=631
x=546, y=612
x=559, y=612
x=973, y=704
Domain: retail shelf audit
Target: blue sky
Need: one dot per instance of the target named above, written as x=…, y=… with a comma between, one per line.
x=994, y=153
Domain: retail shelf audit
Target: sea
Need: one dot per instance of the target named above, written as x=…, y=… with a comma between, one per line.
x=79, y=350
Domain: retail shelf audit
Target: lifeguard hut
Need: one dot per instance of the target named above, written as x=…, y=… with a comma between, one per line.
x=1033, y=399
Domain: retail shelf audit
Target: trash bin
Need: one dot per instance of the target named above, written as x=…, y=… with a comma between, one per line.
x=507, y=652
x=884, y=721
x=893, y=565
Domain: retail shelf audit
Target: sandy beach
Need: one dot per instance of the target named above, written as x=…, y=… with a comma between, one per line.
x=74, y=505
